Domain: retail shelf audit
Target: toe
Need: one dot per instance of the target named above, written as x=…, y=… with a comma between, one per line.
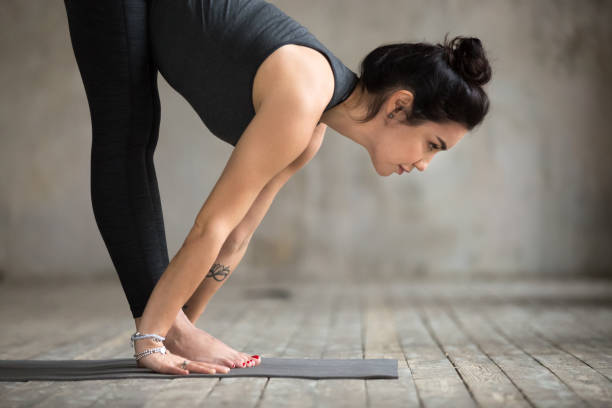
x=227, y=362
x=254, y=361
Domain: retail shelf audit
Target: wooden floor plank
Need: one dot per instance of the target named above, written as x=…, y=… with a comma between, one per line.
x=178, y=393
x=382, y=341
x=597, y=318
x=40, y=345
x=381, y=338
x=269, y=338
x=537, y=383
x=437, y=381
x=42, y=319
x=34, y=392
x=566, y=330
x=307, y=342
x=344, y=341
x=222, y=319
x=513, y=323
x=35, y=312
x=488, y=383
x=187, y=392
x=549, y=339
x=138, y=391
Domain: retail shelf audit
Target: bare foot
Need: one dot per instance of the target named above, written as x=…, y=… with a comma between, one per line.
x=196, y=344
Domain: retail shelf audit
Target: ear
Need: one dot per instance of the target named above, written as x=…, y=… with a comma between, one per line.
x=399, y=101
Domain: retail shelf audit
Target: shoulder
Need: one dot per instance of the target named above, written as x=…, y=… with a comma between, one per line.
x=299, y=72
x=280, y=131
x=291, y=91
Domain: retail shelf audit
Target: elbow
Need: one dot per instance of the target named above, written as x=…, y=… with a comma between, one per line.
x=213, y=231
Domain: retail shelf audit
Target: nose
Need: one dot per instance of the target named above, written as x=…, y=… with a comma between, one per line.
x=421, y=165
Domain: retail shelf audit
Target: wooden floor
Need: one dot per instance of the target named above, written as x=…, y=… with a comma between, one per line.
x=458, y=344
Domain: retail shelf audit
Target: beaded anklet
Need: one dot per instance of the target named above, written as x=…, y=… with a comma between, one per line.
x=155, y=337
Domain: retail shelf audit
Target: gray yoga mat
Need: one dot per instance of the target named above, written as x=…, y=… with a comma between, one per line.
x=63, y=370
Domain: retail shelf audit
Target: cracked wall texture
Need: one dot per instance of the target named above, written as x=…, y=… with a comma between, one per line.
x=527, y=193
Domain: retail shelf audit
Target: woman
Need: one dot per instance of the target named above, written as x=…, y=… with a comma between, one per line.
x=263, y=83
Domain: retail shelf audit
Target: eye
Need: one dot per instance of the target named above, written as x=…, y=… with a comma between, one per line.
x=433, y=146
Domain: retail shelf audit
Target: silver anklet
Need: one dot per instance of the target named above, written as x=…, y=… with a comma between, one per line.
x=146, y=352
x=138, y=336
x=155, y=337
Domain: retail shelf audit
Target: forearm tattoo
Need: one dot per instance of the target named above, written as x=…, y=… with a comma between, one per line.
x=218, y=272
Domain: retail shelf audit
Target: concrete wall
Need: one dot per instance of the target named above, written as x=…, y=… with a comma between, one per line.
x=529, y=192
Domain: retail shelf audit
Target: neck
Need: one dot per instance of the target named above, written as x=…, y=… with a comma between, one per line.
x=340, y=118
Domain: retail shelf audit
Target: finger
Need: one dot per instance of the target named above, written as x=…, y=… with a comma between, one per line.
x=163, y=366
x=221, y=368
x=218, y=368
x=175, y=366
x=202, y=368
x=172, y=369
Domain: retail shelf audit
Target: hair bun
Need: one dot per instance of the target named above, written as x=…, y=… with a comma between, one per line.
x=467, y=57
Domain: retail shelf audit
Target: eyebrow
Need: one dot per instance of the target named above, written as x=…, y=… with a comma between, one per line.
x=442, y=143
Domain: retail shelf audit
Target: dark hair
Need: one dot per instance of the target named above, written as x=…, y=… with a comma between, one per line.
x=446, y=80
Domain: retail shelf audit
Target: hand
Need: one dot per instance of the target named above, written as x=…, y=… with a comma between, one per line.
x=170, y=363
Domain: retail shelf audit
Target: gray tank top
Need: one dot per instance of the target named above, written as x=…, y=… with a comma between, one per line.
x=209, y=52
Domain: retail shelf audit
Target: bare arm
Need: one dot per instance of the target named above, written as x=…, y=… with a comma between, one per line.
x=276, y=136
x=236, y=244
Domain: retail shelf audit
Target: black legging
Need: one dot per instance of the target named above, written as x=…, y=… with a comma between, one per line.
x=111, y=44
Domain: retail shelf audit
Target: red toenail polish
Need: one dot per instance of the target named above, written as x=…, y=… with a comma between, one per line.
x=243, y=364
x=255, y=357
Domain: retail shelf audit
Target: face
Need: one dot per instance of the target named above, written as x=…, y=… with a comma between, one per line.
x=398, y=148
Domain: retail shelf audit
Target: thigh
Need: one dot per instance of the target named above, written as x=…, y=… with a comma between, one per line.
x=111, y=47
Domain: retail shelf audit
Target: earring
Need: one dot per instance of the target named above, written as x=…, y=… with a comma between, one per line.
x=395, y=110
